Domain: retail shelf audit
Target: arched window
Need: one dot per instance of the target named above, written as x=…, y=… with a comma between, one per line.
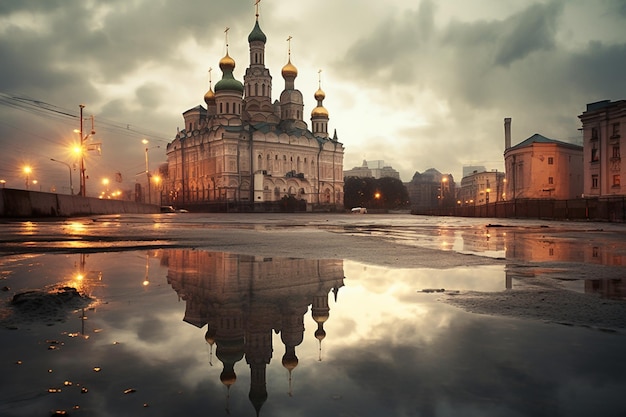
x=263, y=89
x=256, y=89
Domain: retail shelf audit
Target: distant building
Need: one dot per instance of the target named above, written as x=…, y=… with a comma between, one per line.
x=540, y=167
x=431, y=189
x=602, y=140
x=482, y=187
x=374, y=169
x=470, y=169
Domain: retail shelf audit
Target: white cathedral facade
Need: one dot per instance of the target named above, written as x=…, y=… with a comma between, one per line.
x=243, y=149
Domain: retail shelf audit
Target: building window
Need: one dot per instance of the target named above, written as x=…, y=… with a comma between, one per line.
x=595, y=155
x=594, y=181
x=615, y=130
x=616, y=180
x=550, y=180
x=550, y=160
x=616, y=152
x=594, y=133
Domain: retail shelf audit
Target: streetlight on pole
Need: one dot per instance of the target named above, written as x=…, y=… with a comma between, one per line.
x=83, y=138
x=70, y=170
x=145, y=142
x=27, y=171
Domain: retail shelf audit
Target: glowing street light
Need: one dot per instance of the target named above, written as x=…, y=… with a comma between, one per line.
x=157, y=181
x=81, y=150
x=27, y=171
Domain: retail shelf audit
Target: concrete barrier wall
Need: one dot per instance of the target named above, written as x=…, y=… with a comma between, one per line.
x=23, y=203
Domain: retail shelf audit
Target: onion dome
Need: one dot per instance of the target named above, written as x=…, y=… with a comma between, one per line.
x=319, y=111
x=228, y=377
x=289, y=361
x=320, y=94
x=227, y=63
x=289, y=70
x=210, y=333
x=228, y=81
x=257, y=34
x=209, y=97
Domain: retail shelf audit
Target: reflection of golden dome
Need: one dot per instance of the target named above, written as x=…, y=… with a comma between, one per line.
x=320, y=316
x=228, y=378
x=320, y=94
x=227, y=63
x=210, y=334
x=289, y=70
x=320, y=334
x=290, y=362
x=319, y=111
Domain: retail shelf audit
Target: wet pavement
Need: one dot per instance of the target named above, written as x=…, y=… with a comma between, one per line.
x=310, y=314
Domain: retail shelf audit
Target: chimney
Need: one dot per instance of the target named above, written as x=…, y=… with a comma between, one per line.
x=507, y=133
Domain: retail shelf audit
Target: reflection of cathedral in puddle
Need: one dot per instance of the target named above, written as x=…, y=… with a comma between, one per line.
x=244, y=298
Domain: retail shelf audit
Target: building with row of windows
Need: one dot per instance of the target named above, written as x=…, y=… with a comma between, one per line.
x=602, y=123
x=243, y=148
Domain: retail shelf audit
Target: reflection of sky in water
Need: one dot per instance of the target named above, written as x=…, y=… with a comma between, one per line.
x=390, y=349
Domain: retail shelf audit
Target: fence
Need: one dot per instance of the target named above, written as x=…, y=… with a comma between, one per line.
x=612, y=209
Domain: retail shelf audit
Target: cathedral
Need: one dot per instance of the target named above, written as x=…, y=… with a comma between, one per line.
x=243, y=150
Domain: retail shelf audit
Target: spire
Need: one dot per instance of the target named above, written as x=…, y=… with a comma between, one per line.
x=209, y=97
x=257, y=34
x=227, y=65
x=319, y=115
x=289, y=71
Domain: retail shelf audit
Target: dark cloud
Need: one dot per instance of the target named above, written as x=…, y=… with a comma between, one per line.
x=532, y=30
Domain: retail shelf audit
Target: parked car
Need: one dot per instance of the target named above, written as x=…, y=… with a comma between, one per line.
x=167, y=209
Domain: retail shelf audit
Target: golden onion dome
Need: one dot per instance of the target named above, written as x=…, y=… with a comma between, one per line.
x=319, y=111
x=289, y=70
x=320, y=94
x=227, y=63
x=209, y=98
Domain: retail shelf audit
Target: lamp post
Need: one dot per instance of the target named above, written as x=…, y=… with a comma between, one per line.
x=157, y=181
x=27, y=171
x=70, y=170
x=83, y=138
x=145, y=142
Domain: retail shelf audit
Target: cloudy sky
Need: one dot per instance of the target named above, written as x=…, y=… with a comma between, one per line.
x=421, y=84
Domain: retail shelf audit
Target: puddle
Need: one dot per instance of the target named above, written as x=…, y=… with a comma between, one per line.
x=176, y=331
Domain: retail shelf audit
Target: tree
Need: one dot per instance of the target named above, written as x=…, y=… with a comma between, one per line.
x=384, y=193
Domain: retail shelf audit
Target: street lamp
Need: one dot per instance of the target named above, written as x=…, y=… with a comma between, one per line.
x=145, y=142
x=27, y=171
x=83, y=138
x=444, y=180
x=157, y=181
x=70, y=170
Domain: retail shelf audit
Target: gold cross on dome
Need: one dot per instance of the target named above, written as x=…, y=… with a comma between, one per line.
x=256, y=4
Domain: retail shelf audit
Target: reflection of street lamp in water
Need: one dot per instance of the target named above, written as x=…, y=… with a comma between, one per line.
x=146, y=280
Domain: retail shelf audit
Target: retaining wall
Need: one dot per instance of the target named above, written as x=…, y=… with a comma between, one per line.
x=23, y=203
